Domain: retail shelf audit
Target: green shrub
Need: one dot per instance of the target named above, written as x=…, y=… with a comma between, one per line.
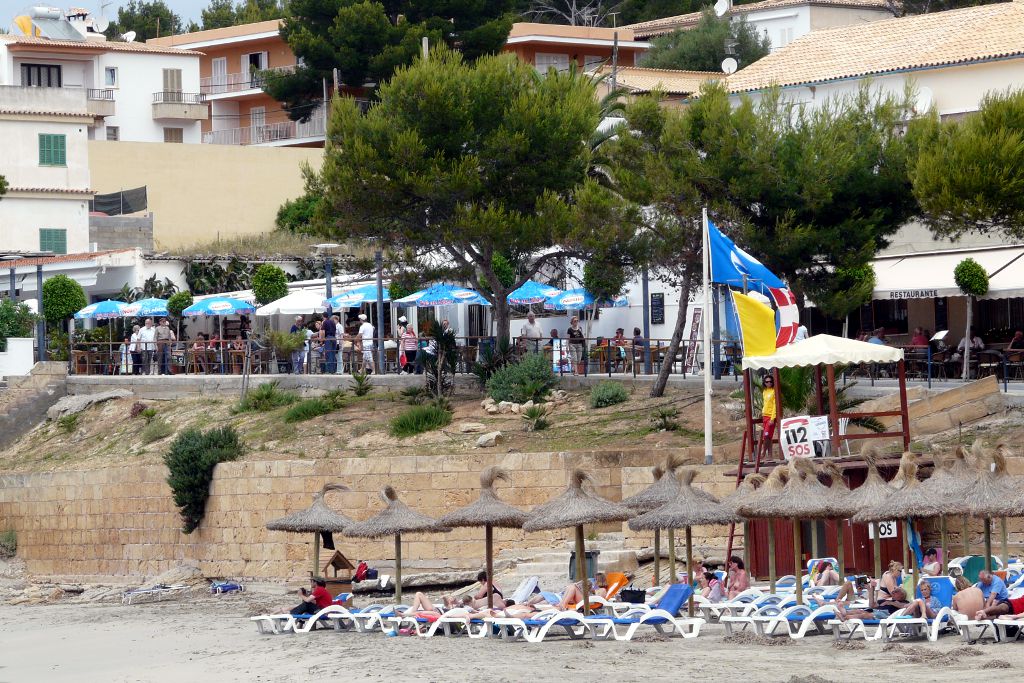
x=155, y=430
x=335, y=398
x=148, y=414
x=286, y=343
x=535, y=418
x=68, y=423
x=664, y=419
x=414, y=396
x=971, y=277
x=16, y=320
x=529, y=379
x=8, y=544
x=361, y=385
x=266, y=397
x=62, y=298
x=190, y=462
x=419, y=419
x=493, y=359
x=269, y=283
x=307, y=410
x=606, y=394
x=178, y=302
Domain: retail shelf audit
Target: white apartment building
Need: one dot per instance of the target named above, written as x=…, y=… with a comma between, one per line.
x=135, y=91
x=44, y=135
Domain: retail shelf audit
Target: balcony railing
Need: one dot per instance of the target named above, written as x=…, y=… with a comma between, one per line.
x=104, y=94
x=174, y=97
x=316, y=126
x=239, y=82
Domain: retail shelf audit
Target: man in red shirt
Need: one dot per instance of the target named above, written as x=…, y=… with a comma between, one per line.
x=315, y=601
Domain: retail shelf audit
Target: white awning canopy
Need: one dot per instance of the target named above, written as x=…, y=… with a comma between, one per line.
x=299, y=302
x=930, y=276
x=824, y=349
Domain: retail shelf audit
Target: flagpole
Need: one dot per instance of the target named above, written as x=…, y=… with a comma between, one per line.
x=706, y=338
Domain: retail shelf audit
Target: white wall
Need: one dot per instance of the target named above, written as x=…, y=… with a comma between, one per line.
x=20, y=143
x=18, y=359
x=21, y=218
x=782, y=26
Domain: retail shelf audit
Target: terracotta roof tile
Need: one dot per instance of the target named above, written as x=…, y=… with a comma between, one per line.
x=61, y=258
x=960, y=36
x=99, y=45
x=51, y=190
x=658, y=27
x=46, y=112
x=669, y=81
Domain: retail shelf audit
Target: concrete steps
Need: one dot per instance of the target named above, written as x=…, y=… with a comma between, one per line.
x=551, y=565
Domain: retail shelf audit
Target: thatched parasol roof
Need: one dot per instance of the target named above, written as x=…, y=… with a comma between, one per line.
x=771, y=488
x=909, y=499
x=317, y=517
x=950, y=480
x=995, y=493
x=488, y=509
x=875, y=489
x=663, y=490
x=686, y=510
x=575, y=507
x=747, y=488
x=803, y=496
x=396, y=518
x=841, y=496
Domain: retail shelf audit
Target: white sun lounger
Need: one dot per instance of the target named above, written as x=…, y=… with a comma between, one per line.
x=973, y=630
x=917, y=627
x=154, y=594
x=1003, y=627
x=534, y=630
x=852, y=627
x=796, y=621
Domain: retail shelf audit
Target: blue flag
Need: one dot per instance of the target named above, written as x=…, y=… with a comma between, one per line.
x=729, y=264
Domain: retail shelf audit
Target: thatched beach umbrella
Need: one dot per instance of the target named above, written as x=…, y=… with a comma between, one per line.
x=750, y=508
x=575, y=507
x=737, y=498
x=842, y=508
x=316, y=519
x=394, y=520
x=872, y=492
x=994, y=494
x=950, y=479
x=664, y=489
x=688, y=509
x=487, y=511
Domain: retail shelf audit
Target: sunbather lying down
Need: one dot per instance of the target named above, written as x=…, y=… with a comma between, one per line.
x=877, y=609
x=572, y=595
x=422, y=607
x=1011, y=607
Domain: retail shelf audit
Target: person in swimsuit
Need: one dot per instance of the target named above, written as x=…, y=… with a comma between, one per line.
x=827, y=576
x=927, y=606
x=877, y=609
x=892, y=578
x=968, y=599
x=739, y=580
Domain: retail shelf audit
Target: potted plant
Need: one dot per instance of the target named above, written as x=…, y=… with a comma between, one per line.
x=284, y=344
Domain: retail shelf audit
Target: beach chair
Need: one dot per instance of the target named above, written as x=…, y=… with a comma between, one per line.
x=367, y=621
x=155, y=593
x=534, y=630
x=713, y=611
x=907, y=626
x=736, y=611
x=525, y=589
x=852, y=627
x=662, y=618
x=222, y=587
x=973, y=630
x=1005, y=627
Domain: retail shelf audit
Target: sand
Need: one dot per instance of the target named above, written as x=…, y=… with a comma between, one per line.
x=212, y=639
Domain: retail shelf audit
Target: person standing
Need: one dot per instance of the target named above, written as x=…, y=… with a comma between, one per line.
x=769, y=413
x=299, y=355
x=410, y=344
x=164, y=340
x=329, y=330
x=136, y=350
x=531, y=333
x=576, y=345
x=147, y=345
x=366, y=333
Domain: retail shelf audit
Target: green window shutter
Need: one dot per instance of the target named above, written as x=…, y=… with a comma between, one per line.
x=59, y=150
x=44, y=145
x=52, y=150
x=53, y=239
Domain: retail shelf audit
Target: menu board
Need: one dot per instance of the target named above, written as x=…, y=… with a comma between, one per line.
x=658, y=309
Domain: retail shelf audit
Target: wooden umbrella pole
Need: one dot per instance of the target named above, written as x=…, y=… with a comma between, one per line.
x=945, y=545
x=672, y=573
x=657, y=557
x=840, y=550
x=1006, y=541
x=967, y=535
x=746, y=546
x=316, y=553
x=877, y=547
x=581, y=568
x=814, y=539
x=798, y=561
x=398, y=569
x=489, y=541
x=771, y=555
x=689, y=572
x=988, y=544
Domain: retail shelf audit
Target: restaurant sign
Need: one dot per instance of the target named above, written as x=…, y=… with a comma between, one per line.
x=914, y=294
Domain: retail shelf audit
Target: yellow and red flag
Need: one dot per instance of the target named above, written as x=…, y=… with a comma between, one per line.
x=757, y=325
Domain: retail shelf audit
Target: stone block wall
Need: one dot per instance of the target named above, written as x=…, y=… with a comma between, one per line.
x=122, y=232
x=121, y=521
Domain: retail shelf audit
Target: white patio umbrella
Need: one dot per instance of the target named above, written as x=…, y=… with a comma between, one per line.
x=299, y=302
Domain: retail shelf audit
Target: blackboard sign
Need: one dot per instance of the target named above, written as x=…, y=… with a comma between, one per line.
x=658, y=309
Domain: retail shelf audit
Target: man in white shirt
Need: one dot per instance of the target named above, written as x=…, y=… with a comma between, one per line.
x=801, y=334
x=531, y=333
x=147, y=344
x=366, y=334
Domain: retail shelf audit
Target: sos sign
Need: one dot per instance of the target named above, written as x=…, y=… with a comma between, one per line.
x=797, y=435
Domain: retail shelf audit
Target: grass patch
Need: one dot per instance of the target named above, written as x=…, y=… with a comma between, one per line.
x=419, y=419
x=607, y=393
x=158, y=428
x=307, y=410
x=8, y=544
x=68, y=423
x=266, y=397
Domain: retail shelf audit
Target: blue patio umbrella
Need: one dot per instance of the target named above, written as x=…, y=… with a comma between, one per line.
x=443, y=295
x=146, y=307
x=219, y=306
x=580, y=298
x=102, y=310
x=532, y=293
x=355, y=296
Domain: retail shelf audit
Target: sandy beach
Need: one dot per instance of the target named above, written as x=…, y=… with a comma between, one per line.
x=211, y=639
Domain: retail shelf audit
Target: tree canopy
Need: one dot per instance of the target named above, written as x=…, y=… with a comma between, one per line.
x=464, y=161
x=149, y=19
x=222, y=13
x=970, y=173
x=702, y=48
x=366, y=40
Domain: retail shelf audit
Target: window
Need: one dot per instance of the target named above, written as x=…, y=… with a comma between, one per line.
x=785, y=37
x=53, y=239
x=113, y=133
x=41, y=75
x=172, y=80
x=174, y=134
x=545, y=61
x=592, y=62
x=52, y=150
x=110, y=76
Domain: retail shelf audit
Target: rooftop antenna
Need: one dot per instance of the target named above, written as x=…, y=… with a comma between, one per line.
x=615, y=18
x=722, y=7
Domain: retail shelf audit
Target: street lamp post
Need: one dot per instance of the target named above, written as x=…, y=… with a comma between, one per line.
x=41, y=324
x=326, y=250
x=379, y=262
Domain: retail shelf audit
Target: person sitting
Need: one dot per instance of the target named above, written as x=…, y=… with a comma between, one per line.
x=698, y=571
x=877, y=337
x=315, y=601
x=968, y=599
x=480, y=597
x=992, y=588
x=931, y=565
x=199, y=352
x=711, y=587
x=973, y=341
x=892, y=578
x=919, y=338
x=827, y=576
x=877, y=609
x=1007, y=607
x=573, y=593
x=739, y=581
x=1017, y=343
x=927, y=606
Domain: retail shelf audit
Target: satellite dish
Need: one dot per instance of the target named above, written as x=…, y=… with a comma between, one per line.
x=729, y=65
x=129, y=37
x=721, y=7
x=100, y=24
x=923, y=103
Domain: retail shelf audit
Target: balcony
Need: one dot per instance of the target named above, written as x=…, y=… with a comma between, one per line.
x=277, y=134
x=183, y=106
x=100, y=102
x=225, y=84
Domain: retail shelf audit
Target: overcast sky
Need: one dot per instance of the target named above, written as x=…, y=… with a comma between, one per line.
x=187, y=9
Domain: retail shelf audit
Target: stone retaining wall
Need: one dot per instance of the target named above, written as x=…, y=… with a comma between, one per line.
x=121, y=521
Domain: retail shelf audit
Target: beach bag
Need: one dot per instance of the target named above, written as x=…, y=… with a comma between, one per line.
x=361, y=570
x=633, y=595
x=371, y=574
